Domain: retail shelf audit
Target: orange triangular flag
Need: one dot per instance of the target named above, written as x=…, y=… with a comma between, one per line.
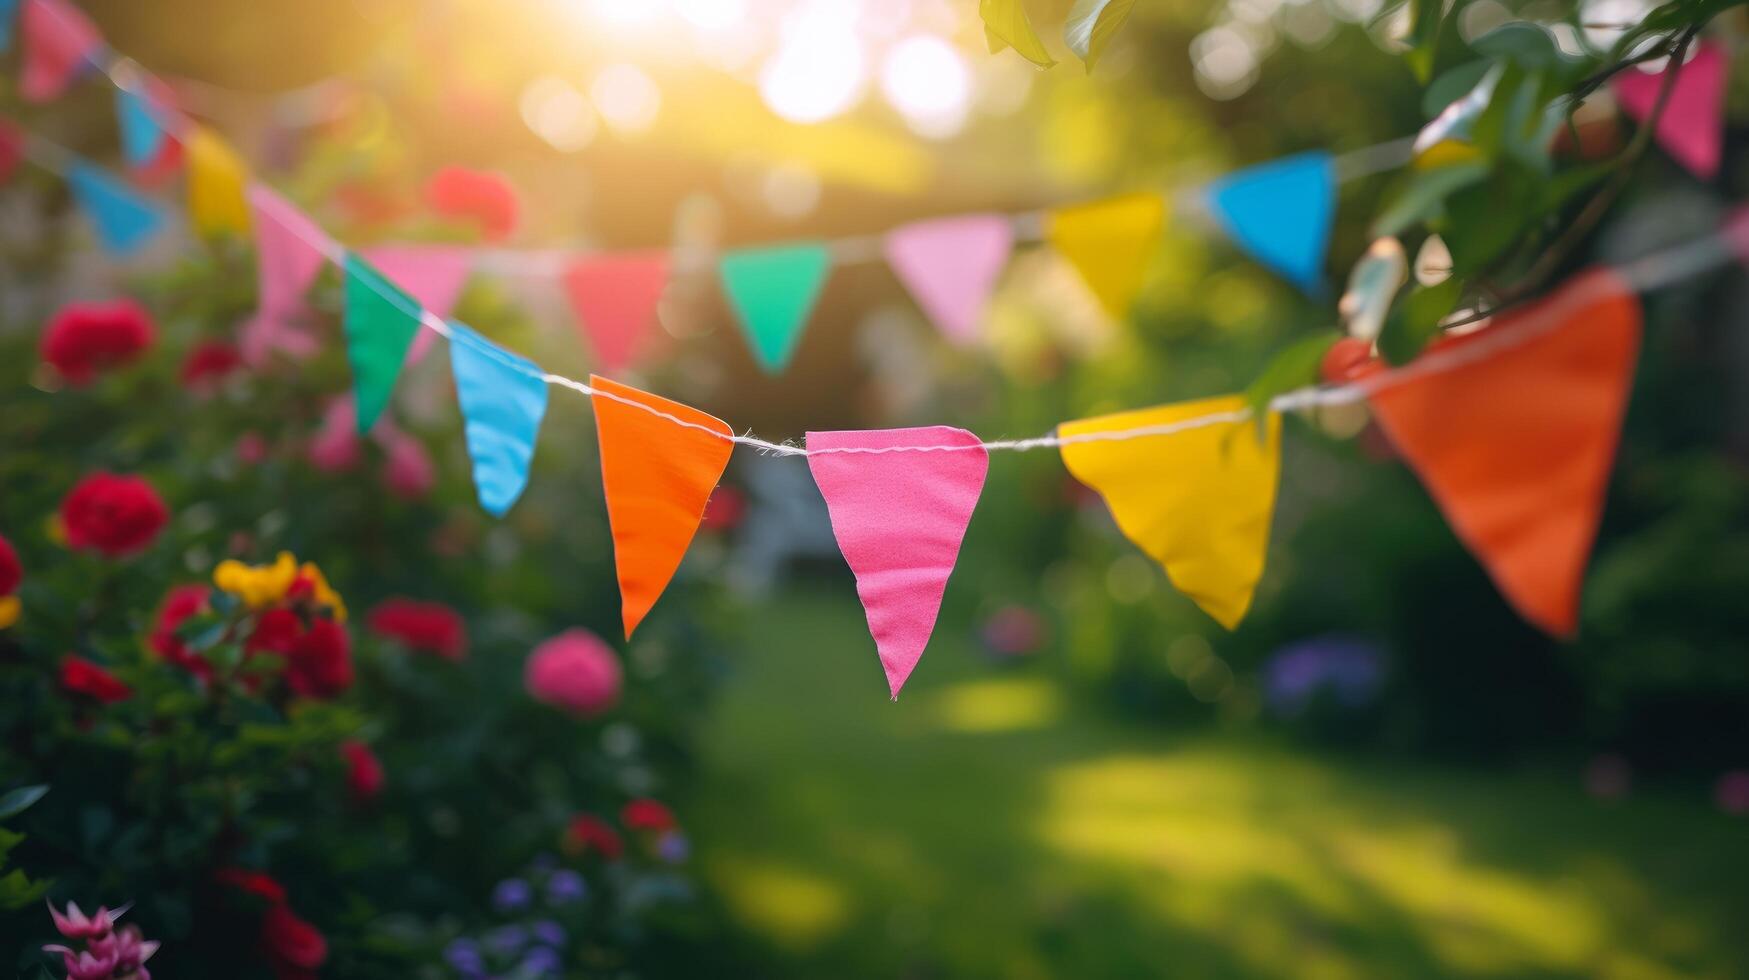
x=1513, y=430
x=657, y=474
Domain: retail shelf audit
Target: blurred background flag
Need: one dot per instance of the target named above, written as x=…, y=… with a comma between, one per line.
x=899, y=518
x=657, y=474
x=288, y=254
x=380, y=323
x=503, y=399
x=8, y=15
x=1110, y=242
x=951, y=265
x=1198, y=500
x=1516, y=447
x=432, y=274
x=1692, y=127
x=773, y=290
x=217, y=184
x=59, y=43
x=124, y=220
x=614, y=298
x=1280, y=212
x=141, y=136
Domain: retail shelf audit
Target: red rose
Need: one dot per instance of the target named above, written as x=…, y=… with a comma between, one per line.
x=320, y=666
x=646, y=814
x=257, y=883
x=208, y=364
x=113, y=515
x=11, y=572
x=484, y=198
x=182, y=602
x=591, y=833
x=364, y=772
x=84, y=339
x=82, y=677
x=291, y=942
x=428, y=626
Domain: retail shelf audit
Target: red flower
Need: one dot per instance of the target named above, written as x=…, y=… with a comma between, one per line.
x=257, y=883
x=113, y=515
x=591, y=833
x=11, y=572
x=208, y=364
x=182, y=602
x=84, y=339
x=724, y=510
x=428, y=626
x=364, y=772
x=484, y=198
x=82, y=677
x=646, y=814
x=292, y=945
x=11, y=149
x=318, y=658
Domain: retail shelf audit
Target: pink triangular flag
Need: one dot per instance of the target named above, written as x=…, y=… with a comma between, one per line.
x=615, y=299
x=289, y=251
x=59, y=41
x=432, y=274
x=1692, y=126
x=950, y=265
x=899, y=500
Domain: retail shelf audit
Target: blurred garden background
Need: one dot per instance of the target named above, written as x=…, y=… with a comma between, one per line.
x=419, y=746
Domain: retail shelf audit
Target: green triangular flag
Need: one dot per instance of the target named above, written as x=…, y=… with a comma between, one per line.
x=381, y=322
x=773, y=290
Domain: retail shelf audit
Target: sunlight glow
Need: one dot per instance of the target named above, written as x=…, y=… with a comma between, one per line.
x=819, y=70
x=927, y=80
x=557, y=112
x=712, y=15
x=626, y=98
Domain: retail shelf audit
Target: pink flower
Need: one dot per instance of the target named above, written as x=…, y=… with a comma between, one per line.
x=207, y=366
x=75, y=924
x=251, y=449
x=408, y=471
x=182, y=602
x=335, y=447
x=84, y=965
x=575, y=671
x=127, y=947
x=364, y=772
x=1732, y=791
x=646, y=814
x=1013, y=631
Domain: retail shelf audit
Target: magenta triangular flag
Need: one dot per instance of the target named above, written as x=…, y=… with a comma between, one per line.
x=432, y=274
x=615, y=297
x=289, y=251
x=899, y=500
x=950, y=265
x=59, y=43
x=1692, y=127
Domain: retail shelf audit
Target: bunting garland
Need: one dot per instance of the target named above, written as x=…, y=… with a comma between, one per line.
x=218, y=202
x=1109, y=243
x=615, y=300
x=1692, y=127
x=380, y=322
x=503, y=398
x=773, y=290
x=289, y=252
x=123, y=219
x=59, y=43
x=1281, y=213
x=142, y=139
x=434, y=275
x=951, y=266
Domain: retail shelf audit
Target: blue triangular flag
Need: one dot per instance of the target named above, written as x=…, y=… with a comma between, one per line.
x=1281, y=213
x=141, y=135
x=124, y=220
x=8, y=17
x=503, y=398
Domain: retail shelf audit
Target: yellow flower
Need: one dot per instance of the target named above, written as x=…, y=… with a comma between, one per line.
x=9, y=609
x=259, y=586
x=323, y=594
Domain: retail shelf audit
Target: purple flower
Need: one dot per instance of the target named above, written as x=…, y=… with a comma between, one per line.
x=464, y=955
x=1347, y=667
x=507, y=940
x=549, y=932
x=511, y=894
x=673, y=847
x=566, y=887
x=540, y=962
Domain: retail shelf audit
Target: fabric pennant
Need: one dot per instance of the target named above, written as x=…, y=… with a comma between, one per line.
x=142, y=136
x=503, y=399
x=1515, y=440
x=1198, y=500
x=951, y=266
x=218, y=202
x=899, y=517
x=1110, y=242
x=8, y=15
x=657, y=474
x=614, y=298
x=1281, y=213
x=432, y=274
x=60, y=43
x=289, y=251
x=124, y=220
x=1692, y=128
x=773, y=290
x=381, y=322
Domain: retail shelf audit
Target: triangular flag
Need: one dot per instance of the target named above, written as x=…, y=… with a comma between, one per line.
x=124, y=220
x=951, y=265
x=142, y=134
x=660, y=460
x=1693, y=124
x=773, y=290
x=615, y=297
x=8, y=14
x=59, y=43
x=217, y=184
x=1195, y=494
x=899, y=517
x=503, y=399
x=1281, y=213
x=1515, y=438
x=381, y=321
x=432, y=274
x=1109, y=242
x=289, y=251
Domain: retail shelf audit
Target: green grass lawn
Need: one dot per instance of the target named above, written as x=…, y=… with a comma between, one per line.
x=983, y=826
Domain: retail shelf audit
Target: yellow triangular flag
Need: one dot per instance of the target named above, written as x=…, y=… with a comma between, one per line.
x=1197, y=499
x=1110, y=243
x=217, y=179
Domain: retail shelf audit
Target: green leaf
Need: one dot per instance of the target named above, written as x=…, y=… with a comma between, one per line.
x=1295, y=366
x=1425, y=194
x=18, y=891
x=19, y=800
x=1092, y=24
x=1483, y=220
x=1452, y=86
x=1415, y=321
x=1006, y=24
x=1528, y=45
x=1563, y=187
x=1426, y=17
